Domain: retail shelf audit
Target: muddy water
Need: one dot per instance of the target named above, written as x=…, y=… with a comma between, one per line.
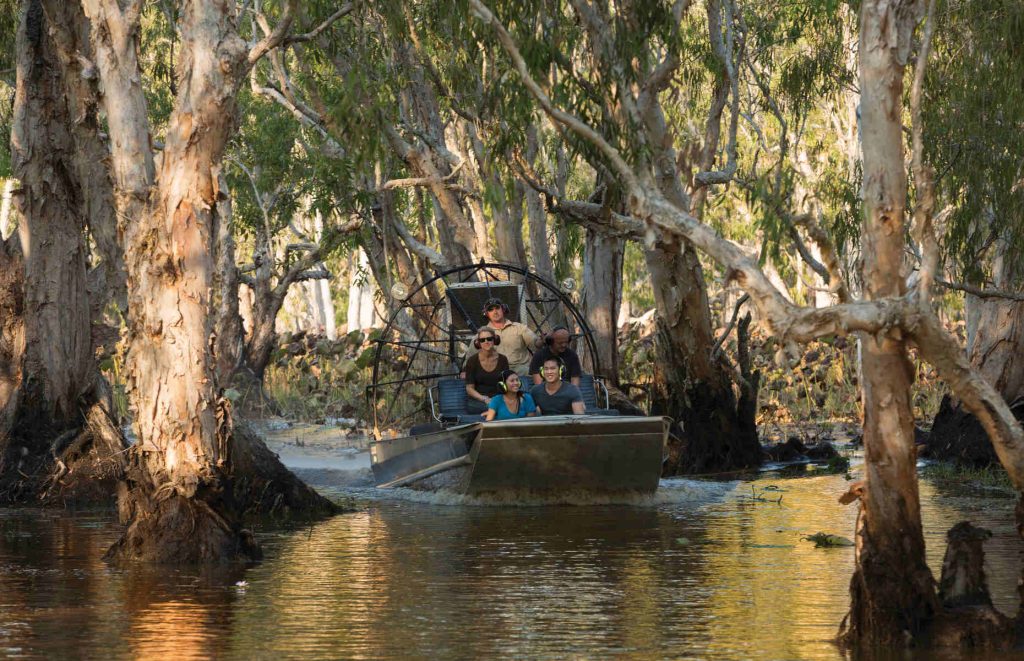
x=704, y=570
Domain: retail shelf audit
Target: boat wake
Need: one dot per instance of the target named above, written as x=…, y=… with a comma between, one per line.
x=673, y=491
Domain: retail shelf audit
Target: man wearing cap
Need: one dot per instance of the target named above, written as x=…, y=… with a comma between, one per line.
x=517, y=341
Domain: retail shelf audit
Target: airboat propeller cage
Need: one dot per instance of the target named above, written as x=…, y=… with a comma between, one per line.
x=427, y=334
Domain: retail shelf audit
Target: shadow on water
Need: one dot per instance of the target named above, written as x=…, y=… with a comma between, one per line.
x=704, y=570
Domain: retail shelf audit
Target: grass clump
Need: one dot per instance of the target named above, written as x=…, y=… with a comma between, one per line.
x=954, y=477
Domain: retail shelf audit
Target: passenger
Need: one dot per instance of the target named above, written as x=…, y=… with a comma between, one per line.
x=482, y=370
x=557, y=346
x=517, y=341
x=554, y=396
x=513, y=402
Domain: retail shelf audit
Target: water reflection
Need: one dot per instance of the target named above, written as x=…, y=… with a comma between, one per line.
x=705, y=572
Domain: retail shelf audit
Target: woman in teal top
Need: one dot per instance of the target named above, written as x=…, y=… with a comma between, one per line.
x=513, y=402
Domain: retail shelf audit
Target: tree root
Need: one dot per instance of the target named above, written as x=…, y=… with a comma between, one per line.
x=166, y=527
x=266, y=488
x=80, y=467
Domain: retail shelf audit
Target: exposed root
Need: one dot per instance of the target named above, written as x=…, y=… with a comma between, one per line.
x=176, y=530
x=80, y=466
x=265, y=487
x=167, y=527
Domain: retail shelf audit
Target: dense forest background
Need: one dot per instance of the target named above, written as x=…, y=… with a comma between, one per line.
x=207, y=207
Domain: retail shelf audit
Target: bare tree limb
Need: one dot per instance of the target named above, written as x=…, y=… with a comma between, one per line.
x=433, y=257
x=732, y=322
x=939, y=348
x=980, y=292
x=410, y=182
x=345, y=10
x=276, y=36
x=302, y=265
x=724, y=53
x=833, y=269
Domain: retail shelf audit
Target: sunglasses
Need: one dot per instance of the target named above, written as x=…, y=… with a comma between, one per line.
x=493, y=307
x=485, y=339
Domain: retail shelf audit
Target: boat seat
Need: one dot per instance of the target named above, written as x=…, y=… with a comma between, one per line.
x=588, y=387
x=449, y=405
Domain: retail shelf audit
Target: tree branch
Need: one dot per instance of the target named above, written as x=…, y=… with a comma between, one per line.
x=940, y=349
x=732, y=322
x=833, y=270
x=723, y=51
x=276, y=36
x=566, y=119
x=979, y=292
x=345, y=10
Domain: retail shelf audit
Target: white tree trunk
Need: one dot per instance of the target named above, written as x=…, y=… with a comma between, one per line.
x=361, y=312
x=6, y=217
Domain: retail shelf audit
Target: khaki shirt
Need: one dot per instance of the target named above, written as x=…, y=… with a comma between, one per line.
x=517, y=341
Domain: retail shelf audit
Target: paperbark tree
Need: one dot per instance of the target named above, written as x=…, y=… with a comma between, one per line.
x=892, y=590
x=893, y=595
x=59, y=411
x=601, y=295
x=178, y=500
x=994, y=343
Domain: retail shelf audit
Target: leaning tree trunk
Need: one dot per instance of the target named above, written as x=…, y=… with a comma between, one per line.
x=691, y=386
x=996, y=349
x=602, y=294
x=61, y=402
x=178, y=501
x=892, y=590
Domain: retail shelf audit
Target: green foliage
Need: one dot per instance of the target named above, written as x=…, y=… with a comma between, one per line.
x=973, y=114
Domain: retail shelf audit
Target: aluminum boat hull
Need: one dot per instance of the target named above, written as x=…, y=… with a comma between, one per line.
x=547, y=457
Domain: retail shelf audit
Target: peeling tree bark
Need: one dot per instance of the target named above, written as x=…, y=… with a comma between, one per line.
x=601, y=295
x=178, y=501
x=892, y=590
x=60, y=400
x=995, y=350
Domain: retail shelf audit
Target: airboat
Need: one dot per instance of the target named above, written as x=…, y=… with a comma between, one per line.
x=424, y=439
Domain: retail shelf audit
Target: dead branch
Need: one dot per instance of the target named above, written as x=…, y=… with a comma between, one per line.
x=728, y=329
x=833, y=270
x=980, y=292
x=345, y=10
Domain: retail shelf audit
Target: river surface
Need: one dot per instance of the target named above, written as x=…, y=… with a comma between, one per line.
x=704, y=570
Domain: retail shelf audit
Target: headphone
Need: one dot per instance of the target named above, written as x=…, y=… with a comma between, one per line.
x=503, y=386
x=561, y=365
x=494, y=334
x=492, y=302
x=549, y=339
